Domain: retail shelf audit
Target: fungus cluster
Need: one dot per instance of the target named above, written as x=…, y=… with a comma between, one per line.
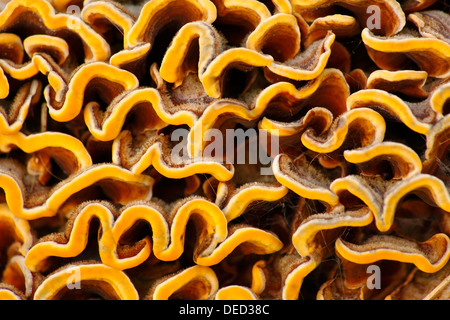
x=97, y=201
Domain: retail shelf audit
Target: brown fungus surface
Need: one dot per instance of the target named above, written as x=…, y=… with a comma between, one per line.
x=224, y=149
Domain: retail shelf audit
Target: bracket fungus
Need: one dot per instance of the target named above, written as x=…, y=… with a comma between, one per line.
x=118, y=169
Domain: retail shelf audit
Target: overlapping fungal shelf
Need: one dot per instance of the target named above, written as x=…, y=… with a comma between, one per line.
x=94, y=204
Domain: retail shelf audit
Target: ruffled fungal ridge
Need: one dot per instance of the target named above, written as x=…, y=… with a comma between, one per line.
x=93, y=281
x=119, y=180
x=29, y=200
x=158, y=20
x=392, y=18
x=93, y=79
x=158, y=152
x=426, y=49
x=194, y=283
x=279, y=36
x=214, y=240
x=16, y=282
x=44, y=17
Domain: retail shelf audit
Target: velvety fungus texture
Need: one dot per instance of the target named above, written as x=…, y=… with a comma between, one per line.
x=117, y=180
